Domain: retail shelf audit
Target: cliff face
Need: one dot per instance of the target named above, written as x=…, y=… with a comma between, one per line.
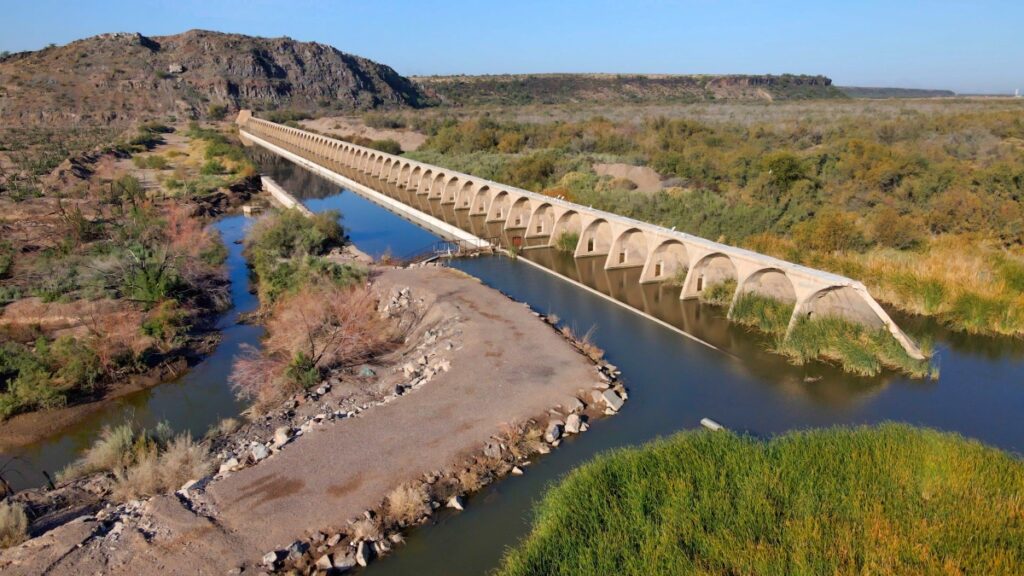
x=113, y=77
x=608, y=88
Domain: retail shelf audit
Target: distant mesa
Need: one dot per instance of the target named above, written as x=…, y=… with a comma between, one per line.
x=879, y=93
x=518, y=89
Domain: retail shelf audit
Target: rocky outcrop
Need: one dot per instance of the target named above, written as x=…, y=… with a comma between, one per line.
x=198, y=73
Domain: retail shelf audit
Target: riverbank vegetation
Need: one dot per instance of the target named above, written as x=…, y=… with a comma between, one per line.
x=142, y=462
x=920, y=200
x=108, y=268
x=891, y=499
x=286, y=251
x=320, y=315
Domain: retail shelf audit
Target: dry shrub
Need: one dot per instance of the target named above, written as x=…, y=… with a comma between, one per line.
x=583, y=343
x=407, y=504
x=471, y=478
x=155, y=472
x=113, y=450
x=13, y=524
x=366, y=529
x=327, y=326
x=332, y=325
x=521, y=439
x=259, y=377
x=116, y=338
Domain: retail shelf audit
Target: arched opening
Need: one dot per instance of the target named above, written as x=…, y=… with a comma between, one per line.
x=403, y=175
x=628, y=250
x=413, y=182
x=596, y=240
x=437, y=188
x=423, y=187
x=519, y=214
x=480, y=201
x=668, y=263
x=843, y=302
x=770, y=283
x=498, y=211
x=464, y=197
x=542, y=221
x=451, y=191
x=713, y=280
x=565, y=234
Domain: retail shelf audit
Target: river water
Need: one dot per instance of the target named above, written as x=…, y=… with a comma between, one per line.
x=194, y=402
x=674, y=381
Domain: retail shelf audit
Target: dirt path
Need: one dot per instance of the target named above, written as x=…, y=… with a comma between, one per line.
x=509, y=366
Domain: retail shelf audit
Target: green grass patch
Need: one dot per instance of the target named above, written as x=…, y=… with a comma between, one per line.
x=857, y=348
x=567, y=242
x=891, y=499
x=719, y=294
x=762, y=312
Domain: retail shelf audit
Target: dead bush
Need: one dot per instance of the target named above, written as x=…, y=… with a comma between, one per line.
x=158, y=471
x=13, y=524
x=366, y=529
x=319, y=328
x=407, y=504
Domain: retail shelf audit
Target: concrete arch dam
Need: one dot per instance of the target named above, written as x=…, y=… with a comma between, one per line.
x=534, y=220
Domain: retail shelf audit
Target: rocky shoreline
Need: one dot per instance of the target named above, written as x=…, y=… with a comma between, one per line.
x=83, y=510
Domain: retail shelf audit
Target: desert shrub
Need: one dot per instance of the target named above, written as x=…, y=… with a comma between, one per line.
x=143, y=462
x=6, y=258
x=216, y=111
x=891, y=499
x=894, y=230
x=383, y=120
x=830, y=232
x=407, y=504
x=161, y=468
x=388, y=146
x=154, y=161
x=318, y=328
x=13, y=524
x=114, y=449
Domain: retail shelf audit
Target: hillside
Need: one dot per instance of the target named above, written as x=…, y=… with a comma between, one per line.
x=516, y=89
x=868, y=92
x=127, y=76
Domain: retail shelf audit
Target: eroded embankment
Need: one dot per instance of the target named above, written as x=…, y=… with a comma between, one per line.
x=448, y=412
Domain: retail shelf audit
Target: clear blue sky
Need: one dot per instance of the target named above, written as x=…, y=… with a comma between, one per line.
x=967, y=46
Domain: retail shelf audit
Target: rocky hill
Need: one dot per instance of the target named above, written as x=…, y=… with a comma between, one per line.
x=127, y=76
x=514, y=89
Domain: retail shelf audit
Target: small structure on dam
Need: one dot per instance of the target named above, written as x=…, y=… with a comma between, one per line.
x=534, y=219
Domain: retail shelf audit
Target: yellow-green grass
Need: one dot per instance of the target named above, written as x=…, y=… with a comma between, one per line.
x=883, y=500
x=719, y=293
x=857, y=348
x=767, y=314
